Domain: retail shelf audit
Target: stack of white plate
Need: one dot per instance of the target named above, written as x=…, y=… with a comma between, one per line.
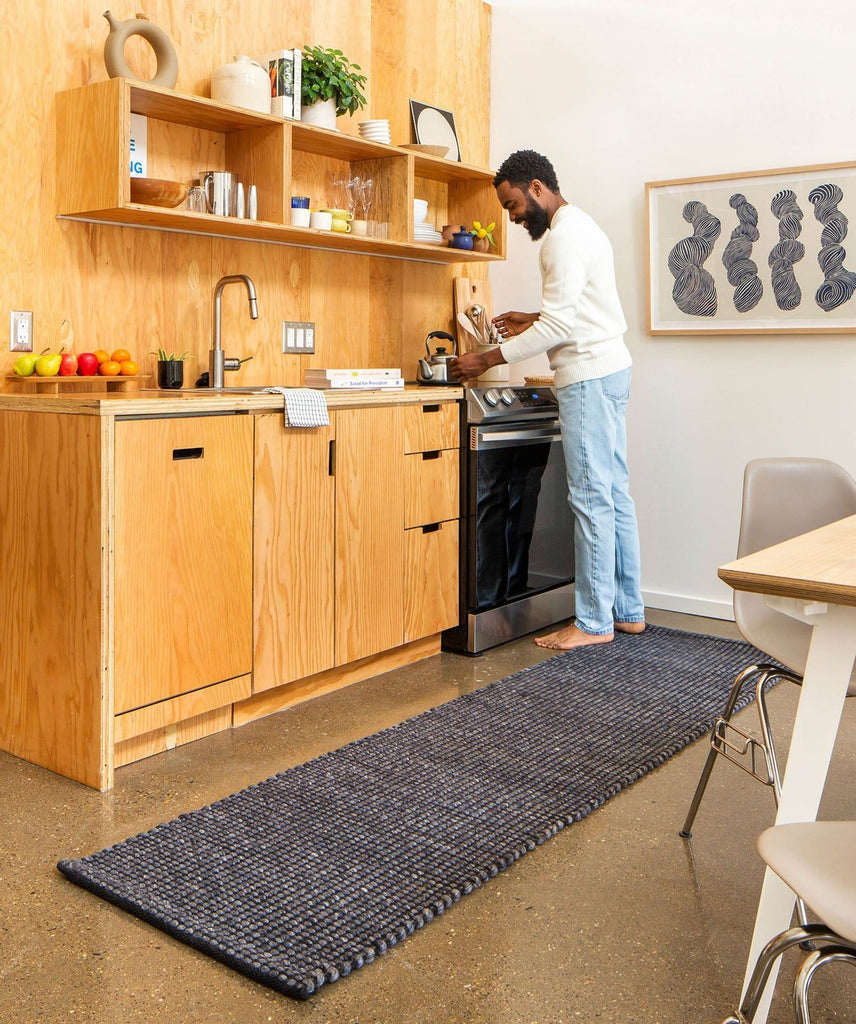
x=427, y=234
x=375, y=131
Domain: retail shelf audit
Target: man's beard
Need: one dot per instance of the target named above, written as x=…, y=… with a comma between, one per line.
x=536, y=219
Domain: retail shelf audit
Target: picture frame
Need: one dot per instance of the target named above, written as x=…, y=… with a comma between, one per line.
x=759, y=252
x=433, y=126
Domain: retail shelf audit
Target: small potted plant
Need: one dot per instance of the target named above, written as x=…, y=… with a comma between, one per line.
x=482, y=236
x=170, y=369
x=331, y=86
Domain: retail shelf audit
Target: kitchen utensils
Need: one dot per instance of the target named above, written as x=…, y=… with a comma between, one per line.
x=467, y=325
x=476, y=315
x=436, y=369
x=468, y=292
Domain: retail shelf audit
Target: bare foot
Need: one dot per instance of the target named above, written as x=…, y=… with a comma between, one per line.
x=629, y=627
x=570, y=637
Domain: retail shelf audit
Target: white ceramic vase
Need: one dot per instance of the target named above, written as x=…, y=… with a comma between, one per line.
x=321, y=114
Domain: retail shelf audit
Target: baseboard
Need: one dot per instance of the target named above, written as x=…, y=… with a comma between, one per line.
x=688, y=605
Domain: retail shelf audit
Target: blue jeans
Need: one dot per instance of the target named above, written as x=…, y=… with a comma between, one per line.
x=606, y=539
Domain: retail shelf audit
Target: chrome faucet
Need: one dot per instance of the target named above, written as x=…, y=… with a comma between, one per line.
x=217, y=361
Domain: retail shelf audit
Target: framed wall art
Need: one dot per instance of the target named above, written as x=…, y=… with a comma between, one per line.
x=763, y=252
x=435, y=127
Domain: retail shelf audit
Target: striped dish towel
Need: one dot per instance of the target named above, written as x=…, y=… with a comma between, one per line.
x=304, y=407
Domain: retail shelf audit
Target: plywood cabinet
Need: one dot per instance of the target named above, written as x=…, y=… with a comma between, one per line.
x=294, y=591
x=183, y=513
x=369, y=542
x=432, y=488
x=356, y=537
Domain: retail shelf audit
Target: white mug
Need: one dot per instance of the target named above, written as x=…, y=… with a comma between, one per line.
x=320, y=220
x=300, y=217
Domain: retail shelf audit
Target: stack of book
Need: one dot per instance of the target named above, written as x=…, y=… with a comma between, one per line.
x=285, y=70
x=385, y=379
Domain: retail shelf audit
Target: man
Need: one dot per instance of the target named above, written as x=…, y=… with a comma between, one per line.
x=581, y=328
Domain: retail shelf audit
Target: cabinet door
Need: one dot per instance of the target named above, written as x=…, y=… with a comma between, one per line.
x=293, y=552
x=431, y=592
x=182, y=555
x=369, y=532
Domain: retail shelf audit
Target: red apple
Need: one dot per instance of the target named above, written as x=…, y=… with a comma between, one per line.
x=87, y=364
x=67, y=364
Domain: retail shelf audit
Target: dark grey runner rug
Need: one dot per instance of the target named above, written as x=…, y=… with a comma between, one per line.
x=312, y=873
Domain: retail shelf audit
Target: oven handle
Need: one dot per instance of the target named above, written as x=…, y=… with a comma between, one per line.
x=481, y=439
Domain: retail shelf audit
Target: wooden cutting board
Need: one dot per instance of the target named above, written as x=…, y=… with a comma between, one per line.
x=466, y=291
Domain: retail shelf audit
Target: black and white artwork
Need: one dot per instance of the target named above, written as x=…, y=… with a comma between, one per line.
x=764, y=251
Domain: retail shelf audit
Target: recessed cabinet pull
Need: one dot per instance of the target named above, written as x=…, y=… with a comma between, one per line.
x=430, y=455
x=430, y=408
x=431, y=528
x=331, y=459
x=187, y=453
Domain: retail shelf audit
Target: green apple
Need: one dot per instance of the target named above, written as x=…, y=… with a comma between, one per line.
x=25, y=365
x=48, y=365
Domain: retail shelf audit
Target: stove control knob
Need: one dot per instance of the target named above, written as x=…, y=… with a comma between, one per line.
x=507, y=396
x=491, y=396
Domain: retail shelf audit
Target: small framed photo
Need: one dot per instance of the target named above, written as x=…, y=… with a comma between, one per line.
x=435, y=127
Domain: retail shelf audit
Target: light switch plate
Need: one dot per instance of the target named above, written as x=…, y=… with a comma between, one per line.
x=298, y=337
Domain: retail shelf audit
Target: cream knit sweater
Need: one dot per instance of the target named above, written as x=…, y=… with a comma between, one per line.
x=581, y=324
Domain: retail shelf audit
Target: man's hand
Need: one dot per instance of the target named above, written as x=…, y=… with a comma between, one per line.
x=513, y=323
x=473, y=364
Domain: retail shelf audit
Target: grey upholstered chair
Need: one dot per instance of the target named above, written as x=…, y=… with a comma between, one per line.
x=816, y=860
x=782, y=498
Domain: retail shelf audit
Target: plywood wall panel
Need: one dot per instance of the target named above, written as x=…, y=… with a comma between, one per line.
x=97, y=286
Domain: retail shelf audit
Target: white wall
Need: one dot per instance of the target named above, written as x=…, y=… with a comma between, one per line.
x=620, y=92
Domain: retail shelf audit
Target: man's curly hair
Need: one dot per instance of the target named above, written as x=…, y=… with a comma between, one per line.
x=523, y=167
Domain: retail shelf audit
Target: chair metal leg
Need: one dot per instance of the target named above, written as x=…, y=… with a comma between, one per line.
x=769, y=955
x=727, y=712
x=807, y=971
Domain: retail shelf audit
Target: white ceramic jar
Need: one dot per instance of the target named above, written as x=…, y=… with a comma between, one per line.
x=243, y=83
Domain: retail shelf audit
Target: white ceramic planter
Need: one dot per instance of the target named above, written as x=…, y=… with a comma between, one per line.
x=321, y=114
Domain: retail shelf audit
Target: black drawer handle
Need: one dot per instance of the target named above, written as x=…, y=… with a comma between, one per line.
x=430, y=455
x=187, y=453
x=431, y=528
x=430, y=408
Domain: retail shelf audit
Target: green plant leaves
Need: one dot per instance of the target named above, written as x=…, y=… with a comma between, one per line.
x=329, y=75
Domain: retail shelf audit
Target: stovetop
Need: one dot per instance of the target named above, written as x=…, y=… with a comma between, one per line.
x=505, y=402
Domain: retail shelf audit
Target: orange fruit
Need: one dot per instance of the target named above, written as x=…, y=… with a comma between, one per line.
x=121, y=355
x=109, y=368
x=101, y=355
x=128, y=368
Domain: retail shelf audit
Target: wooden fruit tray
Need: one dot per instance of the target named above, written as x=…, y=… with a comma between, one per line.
x=75, y=385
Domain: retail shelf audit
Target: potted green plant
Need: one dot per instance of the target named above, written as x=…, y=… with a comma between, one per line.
x=331, y=86
x=170, y=369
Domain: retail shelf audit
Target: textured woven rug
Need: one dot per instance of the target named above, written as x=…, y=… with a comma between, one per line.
x=315, y=872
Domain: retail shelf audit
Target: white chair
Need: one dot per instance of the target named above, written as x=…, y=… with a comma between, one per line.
x=782, y=498
x=816, y=859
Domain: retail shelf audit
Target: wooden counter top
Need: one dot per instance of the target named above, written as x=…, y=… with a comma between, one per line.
x=189, y=401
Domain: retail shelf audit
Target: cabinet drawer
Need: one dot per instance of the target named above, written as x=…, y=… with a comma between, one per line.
x=430, y=487
x=430, y=580
x=431, y=427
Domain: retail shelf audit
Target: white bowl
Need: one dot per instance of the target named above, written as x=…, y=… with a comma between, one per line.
x=420, y=210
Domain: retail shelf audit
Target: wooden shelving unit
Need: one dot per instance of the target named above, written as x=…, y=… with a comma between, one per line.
x=280, y=157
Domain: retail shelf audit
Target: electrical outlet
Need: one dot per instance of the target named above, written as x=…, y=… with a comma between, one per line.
x=298, y=338
x=20, y=331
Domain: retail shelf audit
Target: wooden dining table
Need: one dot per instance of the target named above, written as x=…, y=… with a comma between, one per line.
x=812, y=578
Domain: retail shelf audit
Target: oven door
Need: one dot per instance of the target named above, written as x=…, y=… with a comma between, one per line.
x=519, y=529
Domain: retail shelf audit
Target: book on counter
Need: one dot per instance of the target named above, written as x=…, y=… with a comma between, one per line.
x=385, y=378
x=285, y=68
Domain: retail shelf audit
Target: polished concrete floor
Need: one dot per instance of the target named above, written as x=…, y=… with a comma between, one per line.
x=616, y=919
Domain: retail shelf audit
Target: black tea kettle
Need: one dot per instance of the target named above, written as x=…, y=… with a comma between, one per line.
x=436, y=369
